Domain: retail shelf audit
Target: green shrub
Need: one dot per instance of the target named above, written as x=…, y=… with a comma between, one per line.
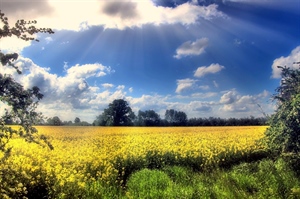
x=283, y=136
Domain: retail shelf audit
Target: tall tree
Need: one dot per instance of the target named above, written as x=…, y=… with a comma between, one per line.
x=77, y=120
x=118, y=113
x=283, y=136
x=22, y=102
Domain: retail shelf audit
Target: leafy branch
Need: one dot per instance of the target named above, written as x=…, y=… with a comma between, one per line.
x=22, y=102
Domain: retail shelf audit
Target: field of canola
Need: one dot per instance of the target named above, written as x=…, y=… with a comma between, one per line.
x=85, y=155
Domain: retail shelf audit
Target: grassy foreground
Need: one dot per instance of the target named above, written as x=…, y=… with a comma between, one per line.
x=262, y=179
x=93, y=162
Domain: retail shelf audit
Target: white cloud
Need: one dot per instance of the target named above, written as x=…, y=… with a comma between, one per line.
x=111, y=14
x=204, y=95
x=264, y=94
x=13, y=44
x=121, y=87
x=88, y=70
x=114, y=14
x=107, y=85
x=203, y=70
x=288, y=61
x=145, y=12
x=242, y=104
x=190, y=48
x=237, y=105
x=185, y=84
x=201, y=106
x=229, y=97
x=148, y=102
x=70, y=91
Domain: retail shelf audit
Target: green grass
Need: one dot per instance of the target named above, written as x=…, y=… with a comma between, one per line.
x=262, y=179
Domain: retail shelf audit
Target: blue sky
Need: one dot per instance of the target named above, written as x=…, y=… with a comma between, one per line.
x=207, y=57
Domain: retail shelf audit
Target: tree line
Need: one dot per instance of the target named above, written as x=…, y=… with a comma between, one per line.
x=119, y=113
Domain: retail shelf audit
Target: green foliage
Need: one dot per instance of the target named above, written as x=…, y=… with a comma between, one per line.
x=148, y=118
x=55, y=121
x=149, y=184
x=157, y=160
x=176, y=118
x=25, y=185
x=22, y=102
x=23, y=30
x=77, y=120
x=261, y=179
x=118, y=113
x=99, y=189
x=283, y=136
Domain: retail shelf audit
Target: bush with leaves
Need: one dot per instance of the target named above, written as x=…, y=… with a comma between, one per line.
x=22, y=102
x=283, y=135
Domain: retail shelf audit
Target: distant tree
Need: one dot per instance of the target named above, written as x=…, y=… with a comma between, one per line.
x=176, y=118
x=148, y=118
x=55, y=121
x=283, y=136
x=170, y=116
x=181, y=118
x=77, y=120
x=22, y=102
x=118, y=113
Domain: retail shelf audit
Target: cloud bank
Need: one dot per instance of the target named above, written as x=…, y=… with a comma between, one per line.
x=110, y=14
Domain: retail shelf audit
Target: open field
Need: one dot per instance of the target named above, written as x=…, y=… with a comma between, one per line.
x=88, y=161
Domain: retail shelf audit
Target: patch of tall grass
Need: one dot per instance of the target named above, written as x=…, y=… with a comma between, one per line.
x=261, y=179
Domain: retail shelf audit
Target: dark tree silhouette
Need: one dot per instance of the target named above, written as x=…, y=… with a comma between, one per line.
x=118, y=113
x=22, y=102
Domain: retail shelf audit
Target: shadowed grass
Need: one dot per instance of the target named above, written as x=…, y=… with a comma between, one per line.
x=261, y=179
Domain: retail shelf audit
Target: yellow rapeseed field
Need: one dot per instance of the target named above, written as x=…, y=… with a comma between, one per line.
x=83, y=155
